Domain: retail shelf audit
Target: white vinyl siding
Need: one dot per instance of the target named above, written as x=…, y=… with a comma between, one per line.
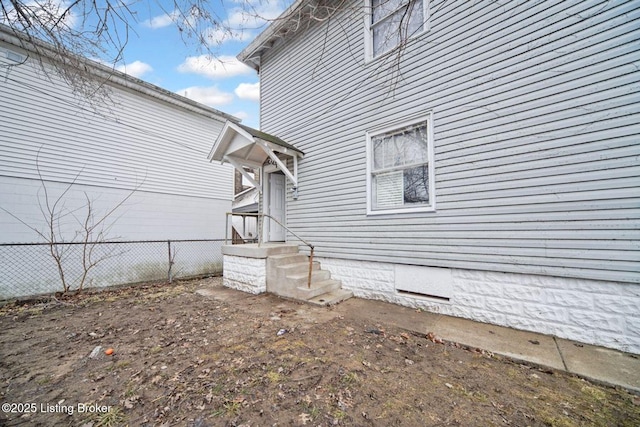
x=536, y=123
x=122, y=142
x=399, y=177
x=132, y=141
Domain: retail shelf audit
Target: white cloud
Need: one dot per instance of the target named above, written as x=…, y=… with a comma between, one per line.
x=239, y=24
x=250, y=91
x=212, y=36
x=160, y=21
x=241, y=21
x=215, y=68
x=209, y=95
x=254, y=15
x=188, y=19
x=135, y=69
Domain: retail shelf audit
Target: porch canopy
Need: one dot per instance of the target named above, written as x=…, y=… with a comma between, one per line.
x=242, y=146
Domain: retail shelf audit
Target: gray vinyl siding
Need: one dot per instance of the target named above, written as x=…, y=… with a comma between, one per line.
x=536, y=132
x=127, y=140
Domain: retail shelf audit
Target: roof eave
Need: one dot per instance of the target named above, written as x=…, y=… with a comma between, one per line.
x=251, y=54
x=252, y=136
x=223, y=139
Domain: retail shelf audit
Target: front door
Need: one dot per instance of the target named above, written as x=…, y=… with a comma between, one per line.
x=276, y=207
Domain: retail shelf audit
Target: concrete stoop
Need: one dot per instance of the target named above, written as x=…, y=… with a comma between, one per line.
x=288, y=276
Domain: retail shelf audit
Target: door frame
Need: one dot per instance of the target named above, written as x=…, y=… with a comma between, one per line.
x=267, y=171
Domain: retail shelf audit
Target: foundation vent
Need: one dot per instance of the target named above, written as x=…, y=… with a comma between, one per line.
x=429, y=282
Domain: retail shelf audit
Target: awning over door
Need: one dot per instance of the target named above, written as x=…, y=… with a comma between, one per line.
x=242, y=146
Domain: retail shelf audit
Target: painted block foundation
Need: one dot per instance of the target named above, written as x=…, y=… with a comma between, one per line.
x=246, y=268
x=245, y=274
x=594, y=312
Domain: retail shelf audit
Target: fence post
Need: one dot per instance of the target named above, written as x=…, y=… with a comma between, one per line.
x=170, y=260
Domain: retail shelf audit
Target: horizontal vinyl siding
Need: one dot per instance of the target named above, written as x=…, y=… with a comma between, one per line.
x=139, y=216
x=129, y=140
x=536, y=135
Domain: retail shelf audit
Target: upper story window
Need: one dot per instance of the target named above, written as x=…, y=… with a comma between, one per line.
x=391, y=23
x=400, y=168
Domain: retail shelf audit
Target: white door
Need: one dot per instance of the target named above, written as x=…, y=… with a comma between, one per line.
x=276, y=207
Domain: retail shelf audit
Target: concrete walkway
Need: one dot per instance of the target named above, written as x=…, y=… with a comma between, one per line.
x=595, y=363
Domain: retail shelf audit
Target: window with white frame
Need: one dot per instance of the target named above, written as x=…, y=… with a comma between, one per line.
x=392, y=22
x=400, y=168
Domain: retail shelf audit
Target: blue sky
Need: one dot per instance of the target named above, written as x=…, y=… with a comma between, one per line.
x=157, y=53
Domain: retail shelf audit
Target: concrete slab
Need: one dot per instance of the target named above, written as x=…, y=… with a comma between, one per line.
x=332, y=297
x=601, y=364
x=263, y=250
x=512, y=343
x=515, y=344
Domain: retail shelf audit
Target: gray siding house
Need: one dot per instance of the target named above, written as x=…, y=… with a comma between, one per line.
x=476, y=159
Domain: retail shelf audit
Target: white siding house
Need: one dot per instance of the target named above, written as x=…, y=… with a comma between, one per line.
x=487, y=167
x=143, y=142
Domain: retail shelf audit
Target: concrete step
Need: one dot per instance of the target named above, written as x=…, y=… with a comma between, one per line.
x=290, y=258
x=298, y=268
x=317, y=288
x=300, y=279
x=330, y=298
x=288, y=276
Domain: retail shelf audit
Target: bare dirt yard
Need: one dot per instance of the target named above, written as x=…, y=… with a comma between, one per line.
x=181, y=358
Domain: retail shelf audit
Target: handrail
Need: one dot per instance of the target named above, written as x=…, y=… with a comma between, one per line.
x=260, y=217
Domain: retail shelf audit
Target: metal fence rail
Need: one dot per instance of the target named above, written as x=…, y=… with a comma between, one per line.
x=28, y=269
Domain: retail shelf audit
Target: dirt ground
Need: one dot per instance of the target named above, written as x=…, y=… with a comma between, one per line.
x=231, y=359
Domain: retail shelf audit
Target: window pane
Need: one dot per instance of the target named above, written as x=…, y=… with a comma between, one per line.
x=387, y=190
x=379, y=154
x=412, y=148
x=403, y=148
x=390, y=31
x=393, y=155
x=386, y=34
x=416, y=185
x=382, y=8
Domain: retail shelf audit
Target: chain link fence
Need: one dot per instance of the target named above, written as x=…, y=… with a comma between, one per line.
x=30, y=269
